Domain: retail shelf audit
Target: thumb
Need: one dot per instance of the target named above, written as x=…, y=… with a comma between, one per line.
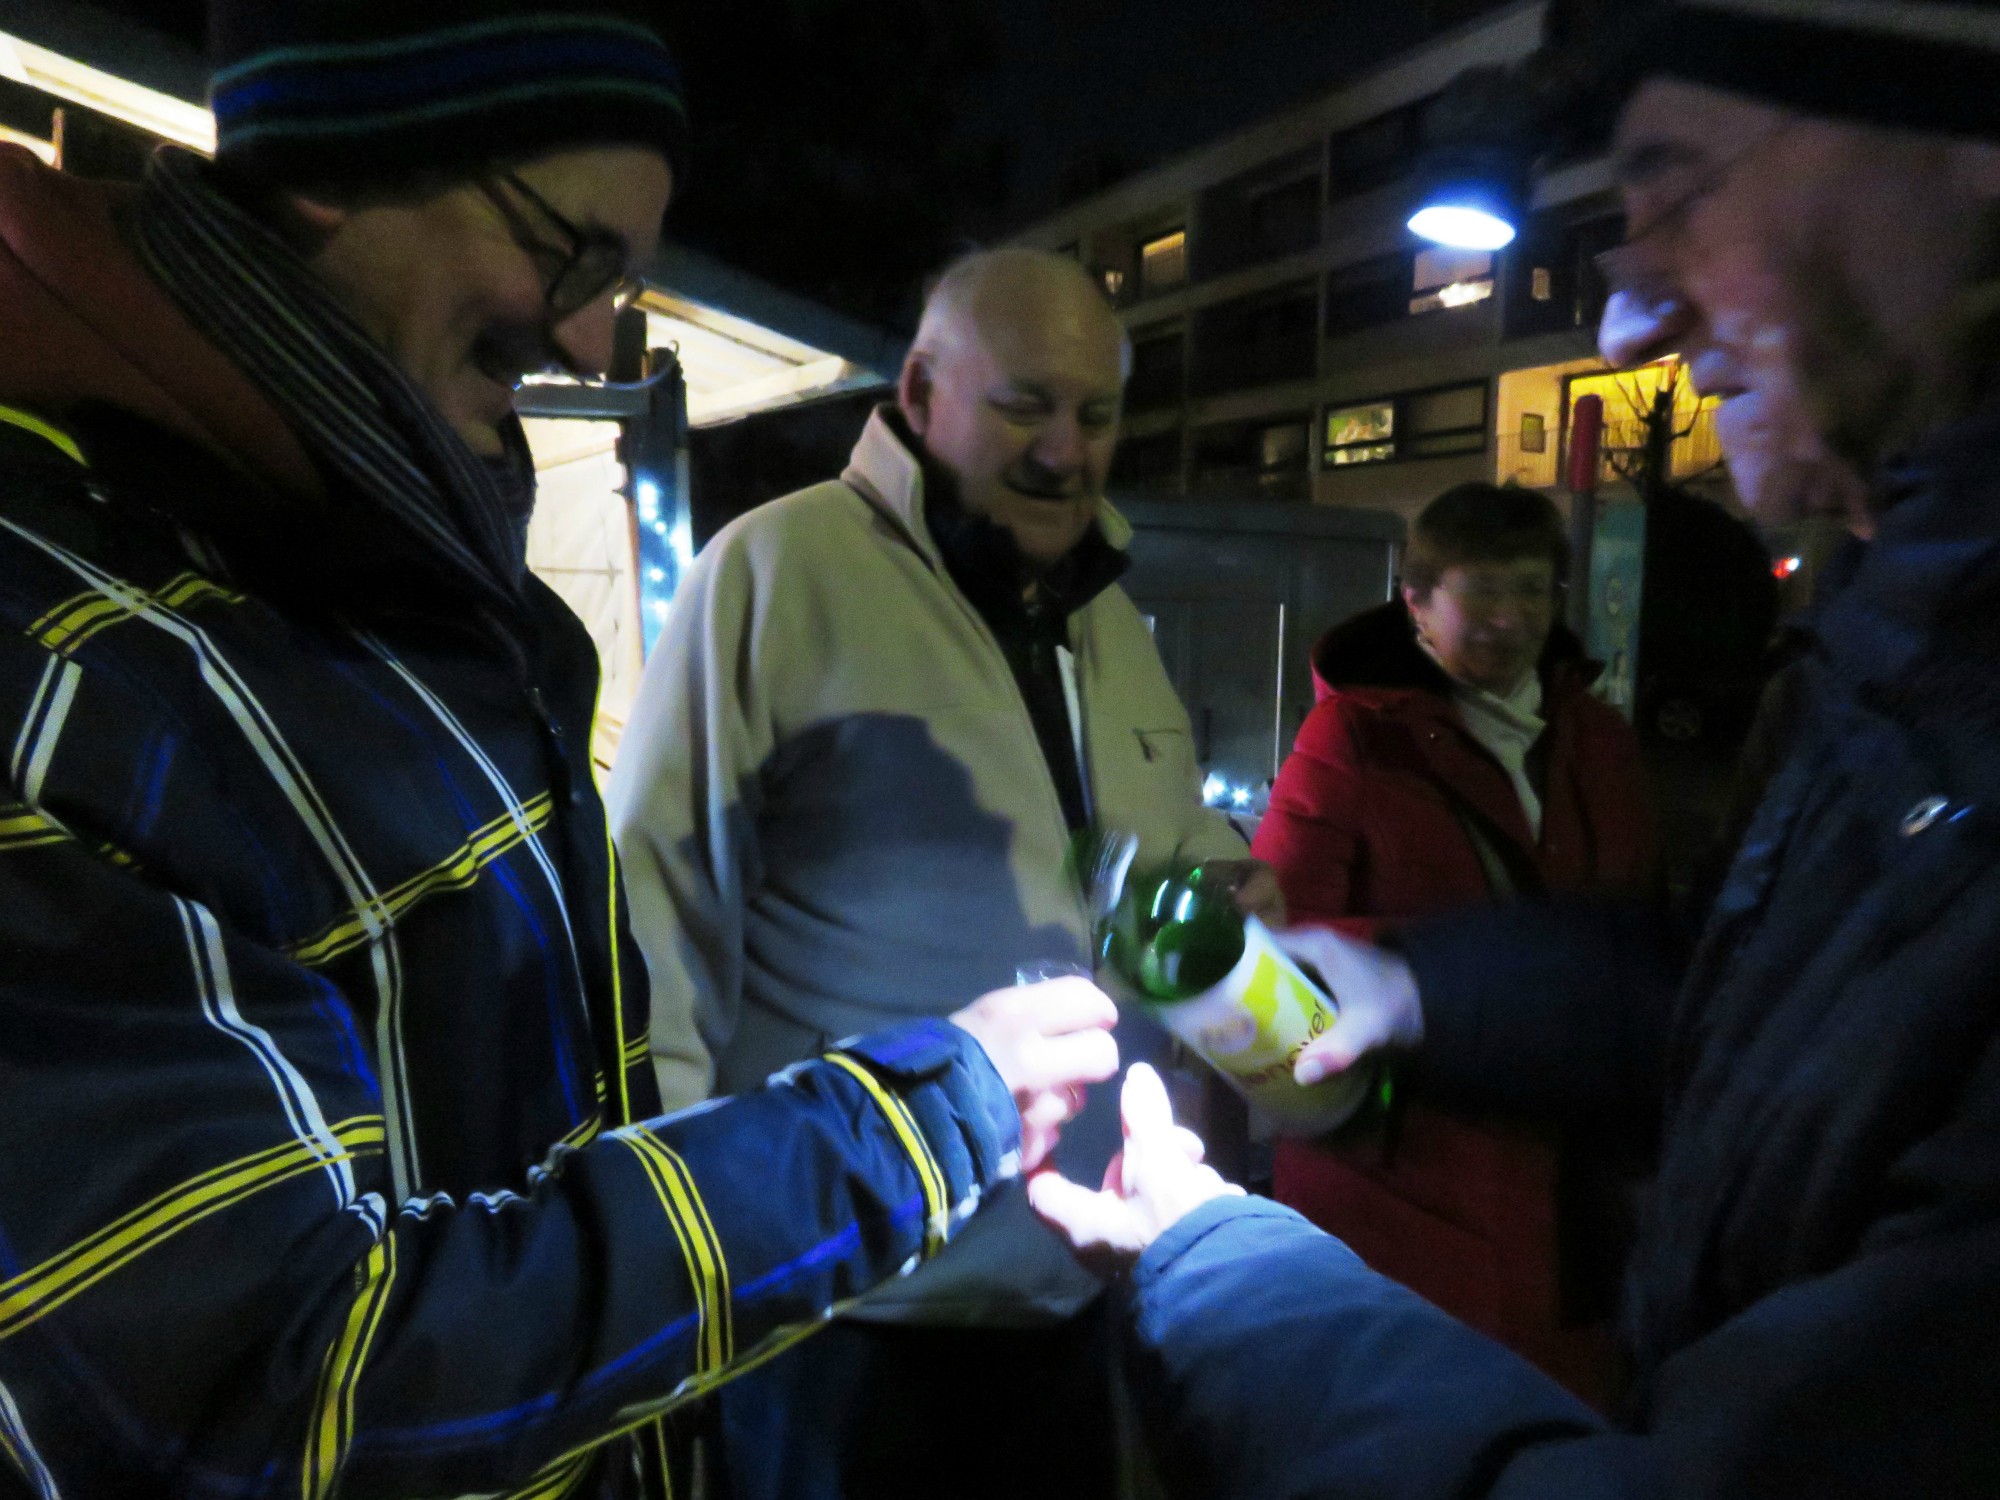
x=1143, y=1104
x=1356, y=1031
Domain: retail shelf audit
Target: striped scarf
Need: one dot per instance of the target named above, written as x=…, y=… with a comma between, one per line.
x=357, y=413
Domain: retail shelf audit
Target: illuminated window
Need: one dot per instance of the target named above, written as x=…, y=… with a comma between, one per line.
x=1447, y=278
x=1657, y=392
x=1163, y=263
x=1421, y=424
x=1361, y=434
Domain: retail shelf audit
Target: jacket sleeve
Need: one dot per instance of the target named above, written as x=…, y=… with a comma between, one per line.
x=1311, y=836
x=206, y=1286
x=682, y=808
x=1558, y=1010
x=1271, y=1363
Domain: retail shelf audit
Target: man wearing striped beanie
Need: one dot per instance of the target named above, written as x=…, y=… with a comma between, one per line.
x=1812, y=191
x=331, y=1158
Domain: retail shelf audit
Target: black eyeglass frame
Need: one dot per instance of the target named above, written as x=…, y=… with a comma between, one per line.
x=595, y=261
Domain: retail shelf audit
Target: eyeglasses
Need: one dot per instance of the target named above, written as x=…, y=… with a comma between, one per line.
x=1632, y=266
x=593, y=263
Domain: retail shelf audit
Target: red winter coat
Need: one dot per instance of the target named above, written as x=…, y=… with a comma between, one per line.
x=1374, y=820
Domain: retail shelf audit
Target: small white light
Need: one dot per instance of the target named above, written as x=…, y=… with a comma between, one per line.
x=649, y=500
x=1214, y=789
x=682, y=542
x=659, y=528
x=1241, y=796
x=1462, y=227
x=658, y=575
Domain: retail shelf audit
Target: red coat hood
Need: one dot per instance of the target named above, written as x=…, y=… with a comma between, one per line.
x=1376, y=652
x=87, y=326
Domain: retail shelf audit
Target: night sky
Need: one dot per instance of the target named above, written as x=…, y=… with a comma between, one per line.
x=1131, y=81
x=1144, y=80
x=845, y=145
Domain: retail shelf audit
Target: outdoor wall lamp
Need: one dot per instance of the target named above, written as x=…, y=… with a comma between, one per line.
x=1473, y=171
x=1469, y=213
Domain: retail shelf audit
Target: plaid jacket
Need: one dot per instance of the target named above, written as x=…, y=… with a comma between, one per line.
x=326, y=1162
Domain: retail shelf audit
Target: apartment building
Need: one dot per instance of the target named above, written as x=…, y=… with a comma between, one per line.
x=1293, y=341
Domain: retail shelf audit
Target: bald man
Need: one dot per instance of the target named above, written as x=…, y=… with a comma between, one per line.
x=879, y=712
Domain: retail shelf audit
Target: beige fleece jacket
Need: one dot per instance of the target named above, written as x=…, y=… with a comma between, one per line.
x=830, y=803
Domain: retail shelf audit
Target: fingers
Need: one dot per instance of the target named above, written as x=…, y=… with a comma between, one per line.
x=1058, y=1007
x=1191, y=1145
x=1312, y=945
x=1059, y=1062
x=1259, y=895
x=1037, y=1143
x=1049, y=1109
x=1144, y=1105
x=1092, y=1223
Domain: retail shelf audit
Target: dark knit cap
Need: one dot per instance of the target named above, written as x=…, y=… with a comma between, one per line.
x=327, y=92
x=1925, y=65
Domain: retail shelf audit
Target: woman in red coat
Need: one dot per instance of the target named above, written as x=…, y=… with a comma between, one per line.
x=1456, y=756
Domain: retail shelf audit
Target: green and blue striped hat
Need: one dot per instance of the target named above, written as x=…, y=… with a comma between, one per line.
x=324, y=92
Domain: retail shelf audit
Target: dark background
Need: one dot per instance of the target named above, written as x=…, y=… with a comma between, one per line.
x=844, y=148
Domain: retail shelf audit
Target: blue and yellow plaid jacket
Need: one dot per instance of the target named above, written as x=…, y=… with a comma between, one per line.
x=327, y=1163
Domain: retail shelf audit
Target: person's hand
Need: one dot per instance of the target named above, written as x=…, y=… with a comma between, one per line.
x=1046, y=1041
x=1251, y=886
x=1149, y=1187
x=1376, y=995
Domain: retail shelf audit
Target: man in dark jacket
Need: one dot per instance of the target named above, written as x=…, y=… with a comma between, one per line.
x=329, y=1156
x=1815, y=1303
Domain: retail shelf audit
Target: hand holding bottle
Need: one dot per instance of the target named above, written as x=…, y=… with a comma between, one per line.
x=1047, y=1041
x=1251, y=886
x=1377, y=998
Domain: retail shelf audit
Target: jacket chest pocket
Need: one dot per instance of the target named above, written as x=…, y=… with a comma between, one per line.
x=1164, y=747
x=1144, y=780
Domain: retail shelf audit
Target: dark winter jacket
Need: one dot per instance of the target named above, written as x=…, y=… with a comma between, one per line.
x=1388, y=810
x=1815, y=1303
x=328, y=1149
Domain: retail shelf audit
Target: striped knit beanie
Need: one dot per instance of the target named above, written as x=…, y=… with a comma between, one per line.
x=336, y=92
x=1926, y=65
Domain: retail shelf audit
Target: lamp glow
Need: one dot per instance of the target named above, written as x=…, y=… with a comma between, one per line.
x=1462, y=227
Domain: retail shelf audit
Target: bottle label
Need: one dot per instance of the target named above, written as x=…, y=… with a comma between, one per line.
x=1252, y=1026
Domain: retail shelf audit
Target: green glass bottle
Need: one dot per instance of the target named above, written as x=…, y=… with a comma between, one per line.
x=1225, y=987
x=1171, y=939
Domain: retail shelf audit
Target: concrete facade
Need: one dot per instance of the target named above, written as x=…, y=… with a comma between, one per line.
x=1296, y=294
